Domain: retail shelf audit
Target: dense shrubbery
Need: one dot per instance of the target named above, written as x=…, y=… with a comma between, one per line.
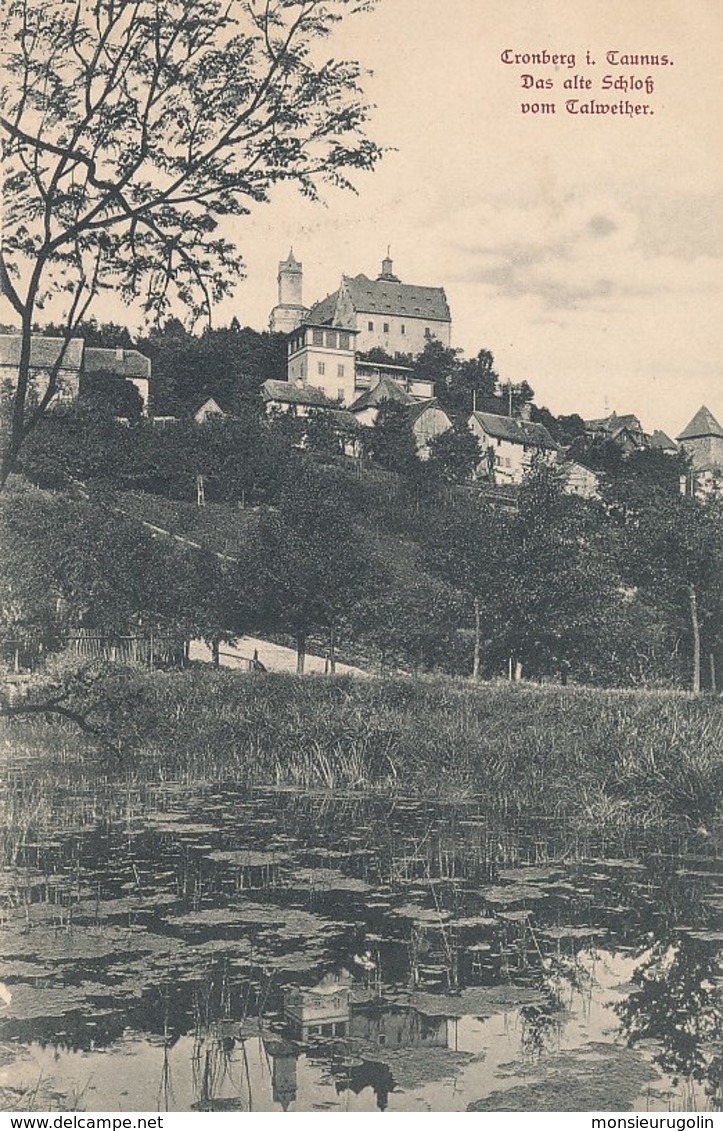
x=399, y=568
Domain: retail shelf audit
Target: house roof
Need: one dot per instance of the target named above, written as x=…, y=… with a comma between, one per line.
x=209, y=403
x=703, y=424
x=384, y=390
x=614, y=424
x=345, y=418
x=44, y=352
x=288, y=393
x=571, y=467
x=420, y=407
x=387, y=296
x=661, y=440
x=126, y=363
x=515, y=431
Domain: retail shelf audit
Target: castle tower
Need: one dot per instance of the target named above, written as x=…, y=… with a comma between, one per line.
x=290, y=311
x=388, y=269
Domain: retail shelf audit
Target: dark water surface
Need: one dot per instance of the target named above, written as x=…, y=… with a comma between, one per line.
x=216, y=949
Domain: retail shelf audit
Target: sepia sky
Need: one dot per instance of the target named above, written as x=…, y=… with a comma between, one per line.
x=585, y=252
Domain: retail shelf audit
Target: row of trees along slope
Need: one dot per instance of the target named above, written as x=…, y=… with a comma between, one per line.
x=399, y=569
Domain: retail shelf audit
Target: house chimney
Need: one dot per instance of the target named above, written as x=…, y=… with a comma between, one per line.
x=525, y=411
x=119, y=354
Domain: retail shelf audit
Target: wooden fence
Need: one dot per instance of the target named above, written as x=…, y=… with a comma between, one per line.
x=149, y=650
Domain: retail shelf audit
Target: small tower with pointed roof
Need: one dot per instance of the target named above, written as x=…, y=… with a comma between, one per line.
x=702, y=440
x=388, y=269
x=290, y=311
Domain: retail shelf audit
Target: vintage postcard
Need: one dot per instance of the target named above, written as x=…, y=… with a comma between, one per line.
x=361, y=587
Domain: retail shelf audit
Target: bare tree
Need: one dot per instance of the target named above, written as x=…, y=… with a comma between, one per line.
x=132, y=128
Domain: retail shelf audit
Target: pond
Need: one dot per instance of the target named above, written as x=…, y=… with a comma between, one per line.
x=176, y=948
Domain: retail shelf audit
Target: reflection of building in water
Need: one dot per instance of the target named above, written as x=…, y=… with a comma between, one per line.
x=368, y=1074
x=323, y=1010
x=283, y=1071
x=397, y=1026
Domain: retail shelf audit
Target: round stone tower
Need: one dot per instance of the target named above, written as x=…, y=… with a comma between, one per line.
x=290, y=311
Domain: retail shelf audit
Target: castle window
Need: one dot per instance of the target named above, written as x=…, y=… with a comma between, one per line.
x=343, y=341
x=386, y=327
x=427, y=332
x=370, y=325
x=404, y=328
x=340, y=370
x=331, y=339
x=321, y=368
x=318, y=337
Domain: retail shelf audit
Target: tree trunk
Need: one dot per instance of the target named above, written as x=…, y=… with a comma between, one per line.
x=695, y=624
x=476, y=658
x=713, y=682
x=332, y=650
x=518, y=671
x=300, y=652
x=216, y=652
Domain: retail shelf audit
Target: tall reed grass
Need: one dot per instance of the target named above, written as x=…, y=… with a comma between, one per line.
x=605, y=756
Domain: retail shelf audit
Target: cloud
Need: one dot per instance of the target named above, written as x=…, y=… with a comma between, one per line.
x=574, y=254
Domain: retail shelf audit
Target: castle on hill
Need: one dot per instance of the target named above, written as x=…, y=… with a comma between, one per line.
x=329, y=342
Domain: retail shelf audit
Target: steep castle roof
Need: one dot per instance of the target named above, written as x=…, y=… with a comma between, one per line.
x=703, y=424
x=386, y=295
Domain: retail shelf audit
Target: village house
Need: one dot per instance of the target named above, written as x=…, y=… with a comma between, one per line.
x=510, y=446
x=625, y=431
x=579, y=480
x=702, y=442
x=130, y=364
x=76, y=363
x=661, y=442
x=426, y=418
x=295, y=397
x=366, y=406
x=45, y=355
x=304, y=401
x=208, y=409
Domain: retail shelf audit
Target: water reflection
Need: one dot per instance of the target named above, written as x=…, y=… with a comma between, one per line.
x=223, y=950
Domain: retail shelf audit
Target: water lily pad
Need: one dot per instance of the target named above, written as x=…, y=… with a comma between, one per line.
x=247, y=857
x=530, y=874
x=571, y=932
x=512, y=893
x=329, y=879
x=476, y=1001
x=609, y=1080
x=422, y=914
